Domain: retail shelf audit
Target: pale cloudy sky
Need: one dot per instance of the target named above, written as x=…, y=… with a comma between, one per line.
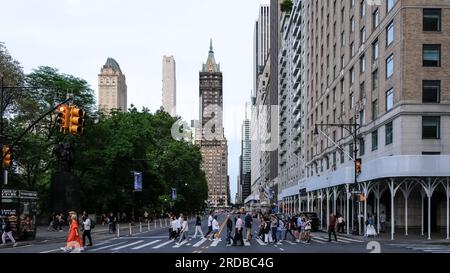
x=77, y=36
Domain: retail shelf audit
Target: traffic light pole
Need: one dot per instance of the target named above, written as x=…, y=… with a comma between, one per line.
x=2, y=106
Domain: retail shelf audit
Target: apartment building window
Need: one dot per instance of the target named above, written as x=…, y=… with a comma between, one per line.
x=390, y=34
x=334, y=115
x=342, y=157
x=363, y=35
x=390, y=4
x=388, y=133
x=375, y=80
x=374, y=109
x=362, y=117
x=362, y=90
x=352, y=3
x=342, y=15
x=390, y=66
x=431, y=127
x=431, y=153
x=362, y=8
x=432, y=55
x=342, y=61
x=352, y=49
x=334, y=94
x=342, y=108
x=375, y=50
x=350, y=150
x=334, y=51
x=334, y=30
x=389, y=100
x=328, y=102
x=362, y=147
x=362, y=64
x=342, y=86
x=431, y=91
x=375, y=19
x=343, y=38
x=375, y=140
x=431, y=19
x=352, y=100
x=352, y=75
x=352, y=24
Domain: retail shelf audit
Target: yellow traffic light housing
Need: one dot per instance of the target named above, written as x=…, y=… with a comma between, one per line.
x=77, y=120
x=358, y=166
x=63, y=117
x=7, y=160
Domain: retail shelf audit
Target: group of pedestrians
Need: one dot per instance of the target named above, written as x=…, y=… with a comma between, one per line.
x=56, y=222
x=274, y=229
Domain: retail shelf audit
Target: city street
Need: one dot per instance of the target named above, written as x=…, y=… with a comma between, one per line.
x=156, y=241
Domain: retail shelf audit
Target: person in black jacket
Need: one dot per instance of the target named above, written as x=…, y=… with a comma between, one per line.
x=198, y=227
x=229, y=230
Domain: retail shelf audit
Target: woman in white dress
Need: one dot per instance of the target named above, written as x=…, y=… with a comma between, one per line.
x=370, y=229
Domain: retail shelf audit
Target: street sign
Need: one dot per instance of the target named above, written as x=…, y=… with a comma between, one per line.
x=137, y=181
x=174, y=193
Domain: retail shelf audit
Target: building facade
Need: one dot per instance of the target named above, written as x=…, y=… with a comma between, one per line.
x=112, y=87
x=211, y=139
x=382, y=70
x=245, y=157
x=261, y=42
x=169, y=85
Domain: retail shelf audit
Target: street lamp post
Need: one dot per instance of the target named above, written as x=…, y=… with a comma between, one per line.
x=352, y=128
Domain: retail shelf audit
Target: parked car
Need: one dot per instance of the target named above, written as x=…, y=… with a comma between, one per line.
x=315, y=222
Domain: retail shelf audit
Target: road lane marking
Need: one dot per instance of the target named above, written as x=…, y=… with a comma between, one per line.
x=199, y=243
x=260, y=242
x=108, y=246
x=180, y=244
x=289, y=242
x=163, y=244
x=53, y=250
x=215, y=243
x=131, y=244
x=317, y=241
x=144, y=245
x=350, y=239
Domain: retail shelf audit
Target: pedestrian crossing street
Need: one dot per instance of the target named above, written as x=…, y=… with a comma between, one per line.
x=155, y=243
x=426, y=248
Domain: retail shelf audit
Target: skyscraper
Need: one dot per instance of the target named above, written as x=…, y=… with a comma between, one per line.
x=169, y=89
x=245, y=158
x=212, y=142
x=261, y=42
x=112, y=87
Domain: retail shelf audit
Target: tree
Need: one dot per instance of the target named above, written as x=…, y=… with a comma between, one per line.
x=286, y=6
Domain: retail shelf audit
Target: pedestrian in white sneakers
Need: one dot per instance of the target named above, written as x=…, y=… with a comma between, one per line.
x=7, y=231
x=198, y=227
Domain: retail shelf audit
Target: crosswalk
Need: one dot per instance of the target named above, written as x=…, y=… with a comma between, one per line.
x=426, y=248
x=155, y=243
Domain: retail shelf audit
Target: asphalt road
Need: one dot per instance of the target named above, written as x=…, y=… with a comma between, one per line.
x=157, y=241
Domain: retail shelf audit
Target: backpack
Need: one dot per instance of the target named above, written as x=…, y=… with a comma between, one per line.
x=92, y=224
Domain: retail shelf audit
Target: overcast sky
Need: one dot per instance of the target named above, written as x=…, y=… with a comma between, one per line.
x=77, y=36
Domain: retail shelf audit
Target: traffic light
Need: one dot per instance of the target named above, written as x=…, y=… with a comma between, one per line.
x=63, y=117
x=7, y=160
x=358, y=164
x=77, y=120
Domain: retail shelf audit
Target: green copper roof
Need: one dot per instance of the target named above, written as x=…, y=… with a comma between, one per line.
x=211, y=65
x=111, y=63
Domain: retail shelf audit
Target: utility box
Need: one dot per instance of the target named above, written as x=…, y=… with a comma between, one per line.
x=20, y=207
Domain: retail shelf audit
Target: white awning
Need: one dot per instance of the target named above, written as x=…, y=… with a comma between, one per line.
x=385, y=167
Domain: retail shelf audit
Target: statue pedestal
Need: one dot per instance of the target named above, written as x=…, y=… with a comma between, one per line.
x=65, y=192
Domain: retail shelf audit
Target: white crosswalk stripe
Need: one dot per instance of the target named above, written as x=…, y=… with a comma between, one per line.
x=260, y=241
x=314, y=239
x=199, y=243
x=108, y=246
x=131, y=244
x=247, y=243
x=177, y=245
x=145, y=245
x=289, y=242
x=163, y=244
x=216, y=242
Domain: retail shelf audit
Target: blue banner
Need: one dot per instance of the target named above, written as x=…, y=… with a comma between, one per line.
x=174, y=193
x=137, y=181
